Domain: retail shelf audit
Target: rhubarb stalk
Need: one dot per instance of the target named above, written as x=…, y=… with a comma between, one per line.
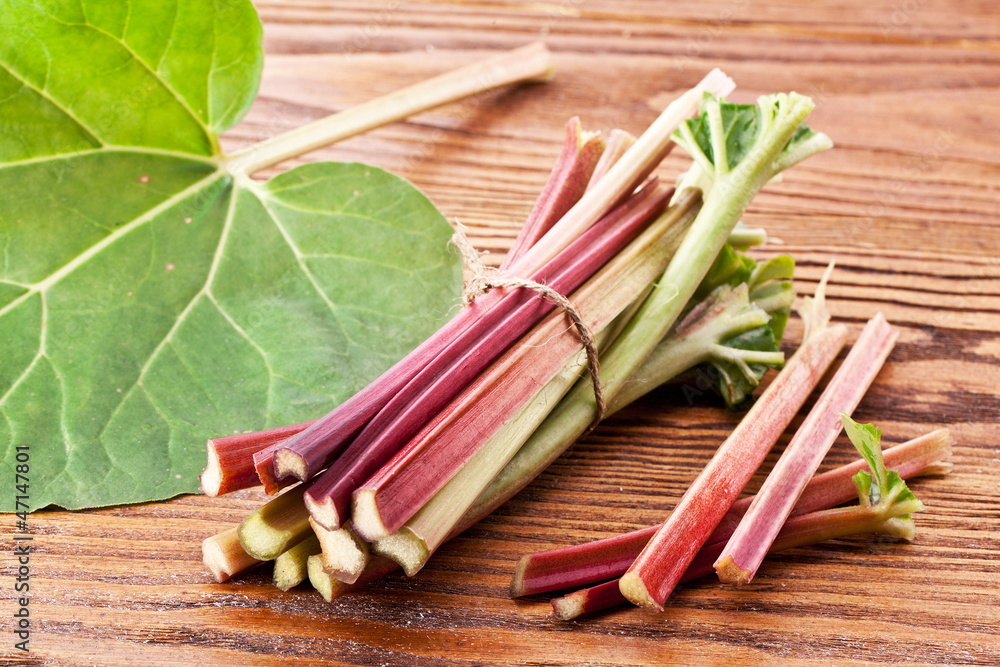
x=658, y=569
x=230, y=465
x=281, y=523
x=581, y=153
x=345, y=555
x=601, y=560
x=527, y=63
x=225, y=557
x=746, y=549
x=399, y=489
x=291, y=565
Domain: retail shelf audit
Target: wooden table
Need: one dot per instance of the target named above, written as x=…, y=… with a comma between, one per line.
x=907, y=206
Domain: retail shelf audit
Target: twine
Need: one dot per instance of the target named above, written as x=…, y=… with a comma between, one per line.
x=484, y=278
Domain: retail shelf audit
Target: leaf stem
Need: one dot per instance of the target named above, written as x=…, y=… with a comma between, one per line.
x=531, y=62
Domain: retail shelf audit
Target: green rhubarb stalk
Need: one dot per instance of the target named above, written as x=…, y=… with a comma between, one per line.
x=322, y=580
x=291, y=567
x=717, y=330
x=225, y=557
x=280, y=524
x=527, y=63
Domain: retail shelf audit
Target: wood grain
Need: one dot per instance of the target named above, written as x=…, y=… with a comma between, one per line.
x=907, y=206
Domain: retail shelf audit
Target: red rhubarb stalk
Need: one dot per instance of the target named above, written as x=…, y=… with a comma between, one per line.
x=798, y=531
x=773, y=504
x=601, y=560
x=230, y=465
x=658, y=569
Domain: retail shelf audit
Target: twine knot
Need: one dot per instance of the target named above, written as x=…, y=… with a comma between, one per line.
x=482, y=278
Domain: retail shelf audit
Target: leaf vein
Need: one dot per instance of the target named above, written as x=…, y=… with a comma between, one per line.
x=55, y=103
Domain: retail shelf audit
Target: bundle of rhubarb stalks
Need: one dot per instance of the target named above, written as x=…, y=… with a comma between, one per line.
x=615, y=285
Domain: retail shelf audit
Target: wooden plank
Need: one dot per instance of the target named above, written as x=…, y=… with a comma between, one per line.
x=906, y=206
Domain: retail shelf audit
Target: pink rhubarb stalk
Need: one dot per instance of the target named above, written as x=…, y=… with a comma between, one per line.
x=581, y=153
x=773, y=504
x=225, y=557
x=601, y=560
x=661, y=564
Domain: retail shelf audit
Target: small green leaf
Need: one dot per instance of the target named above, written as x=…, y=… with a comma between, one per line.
x=881, y=485
x=730, y=268
x=771, y=289
x=150, y=299
x=867, y=439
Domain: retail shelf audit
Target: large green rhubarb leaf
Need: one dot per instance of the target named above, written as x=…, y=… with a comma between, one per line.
x=151, y=298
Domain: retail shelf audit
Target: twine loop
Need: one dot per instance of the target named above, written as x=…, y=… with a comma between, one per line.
x=482, y=278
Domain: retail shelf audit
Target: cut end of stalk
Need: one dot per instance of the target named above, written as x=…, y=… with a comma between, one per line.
x=328, y=587
x=290, y=567
x=225, y=557
x=288, y=463
x=279, y=525
x=344, y=554
x=406, y=549
x=323, y=512
x=258, y=540
x=211, y=476
x=569, y=607
x=717, y=82
x=517, y=581
x=731, y=573
x=635, y=591
x=365, y=516
x=539, y=54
